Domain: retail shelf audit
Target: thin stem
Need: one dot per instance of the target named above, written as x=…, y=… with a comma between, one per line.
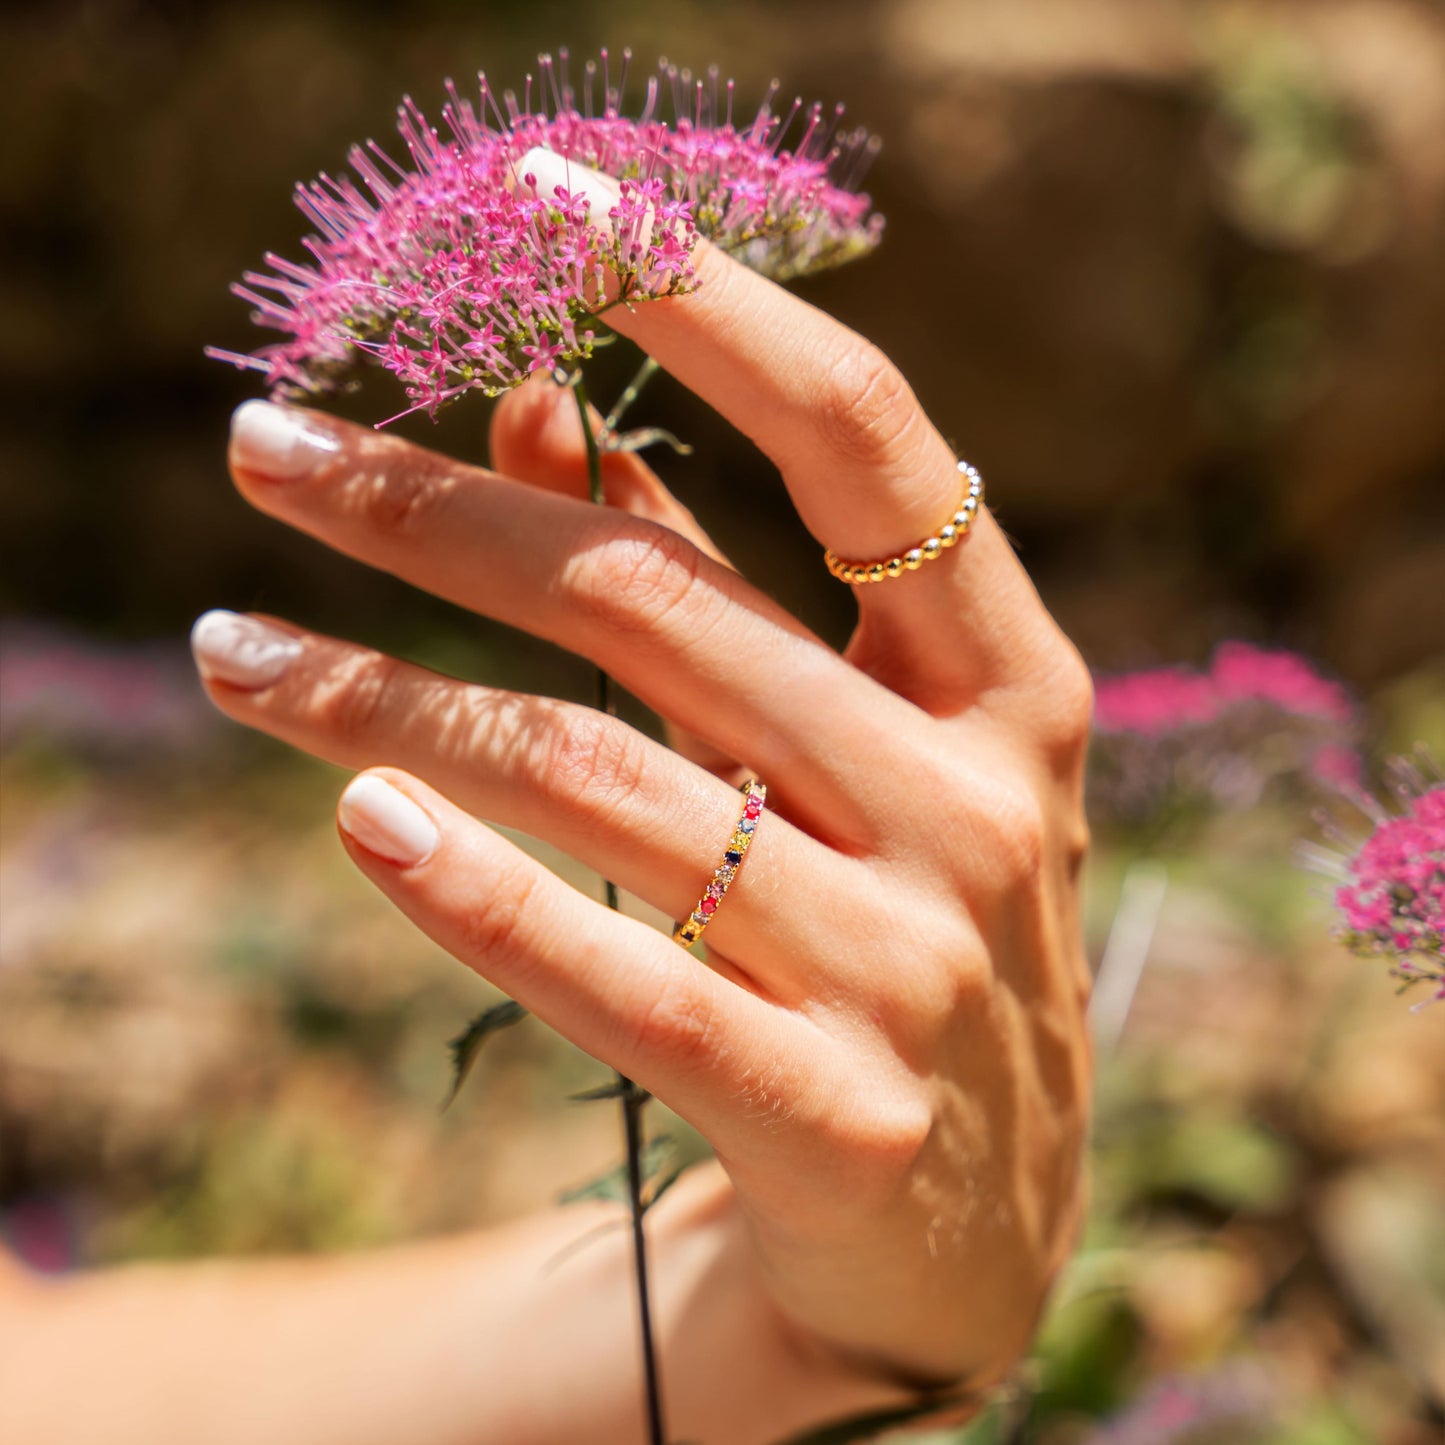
x=1141, y=897
x=645, y=373
x=633, y=1099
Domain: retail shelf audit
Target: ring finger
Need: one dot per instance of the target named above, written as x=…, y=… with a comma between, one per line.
x=588, y=783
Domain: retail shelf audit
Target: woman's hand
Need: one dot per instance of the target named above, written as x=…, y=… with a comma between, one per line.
x=886, y=1045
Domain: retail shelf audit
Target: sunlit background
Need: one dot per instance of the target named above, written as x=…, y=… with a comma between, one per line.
x=1172, y=274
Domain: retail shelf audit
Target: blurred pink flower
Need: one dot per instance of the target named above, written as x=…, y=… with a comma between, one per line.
x=71, y=691
x=455, y=277
x=1161, y=699
x=1173, y=743
x=1232, y=1403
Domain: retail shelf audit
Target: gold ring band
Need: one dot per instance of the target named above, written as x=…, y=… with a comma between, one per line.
x=689, y=930
x=949, y=535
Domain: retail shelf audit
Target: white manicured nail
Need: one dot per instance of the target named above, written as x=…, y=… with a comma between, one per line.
x=387, y=822
x=240, y=650
x=552, y=170
x=277, y=441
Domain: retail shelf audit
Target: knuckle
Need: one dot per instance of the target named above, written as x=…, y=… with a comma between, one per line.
x=1021, y=840
x=1017, y=835
x=633, y=582
x=881, y=1137
x=353, y=713
x=588, y=763
x=991, y=822
x=864, y=406
x=402, y=500
x=676, y=1021
x=491, y=926
x=958, y=987
x=1071, y=693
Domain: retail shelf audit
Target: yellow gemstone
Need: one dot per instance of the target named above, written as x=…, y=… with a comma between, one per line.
x=740, y=841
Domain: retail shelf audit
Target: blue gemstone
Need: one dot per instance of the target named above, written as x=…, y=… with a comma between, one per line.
x=733, y=858
x=747, y=825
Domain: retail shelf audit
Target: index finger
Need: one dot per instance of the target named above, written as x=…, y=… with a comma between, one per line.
x=869, y=474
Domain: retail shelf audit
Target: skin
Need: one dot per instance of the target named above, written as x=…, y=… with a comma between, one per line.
x=886, y=1044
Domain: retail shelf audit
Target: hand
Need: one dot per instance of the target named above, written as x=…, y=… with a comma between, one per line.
x=886, y=1046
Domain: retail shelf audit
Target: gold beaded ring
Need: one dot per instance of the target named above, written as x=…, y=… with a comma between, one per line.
x=689, y=930
x=950, y=534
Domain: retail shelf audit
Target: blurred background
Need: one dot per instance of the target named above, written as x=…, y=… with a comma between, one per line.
x=1173, y=274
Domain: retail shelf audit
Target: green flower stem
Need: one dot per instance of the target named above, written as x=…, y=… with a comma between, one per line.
x=645, y=373
x=632, y=1098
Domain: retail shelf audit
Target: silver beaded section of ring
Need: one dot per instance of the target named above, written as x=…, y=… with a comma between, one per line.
x=949, y=535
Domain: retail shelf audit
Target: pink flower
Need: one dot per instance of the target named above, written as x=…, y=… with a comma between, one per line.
x=455, y=276
x=1392, y=902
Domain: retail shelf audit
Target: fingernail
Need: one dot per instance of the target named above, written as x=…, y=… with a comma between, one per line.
x=277, y=441
x=387, y=822
x=551, y=170
x=240, y=650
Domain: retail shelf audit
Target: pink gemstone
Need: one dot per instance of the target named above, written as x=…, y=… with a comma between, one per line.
x=714, y=890
x=709, y=906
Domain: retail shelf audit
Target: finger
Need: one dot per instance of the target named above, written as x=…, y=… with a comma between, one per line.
x=591, y=785
x=682, y=632
x=536, y=437
x=870, y=476
x=621, y=991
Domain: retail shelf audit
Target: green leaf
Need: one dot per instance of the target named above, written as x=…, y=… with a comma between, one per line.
x=614, y=1184
x=468, y=1044
x=663, y=1184
x=1233, y=1163
x=618, y=1089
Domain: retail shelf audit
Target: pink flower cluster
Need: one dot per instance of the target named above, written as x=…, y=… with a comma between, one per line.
x=1164, y=699
x=456, y=276
x=1394, y=903
x=1172, y=745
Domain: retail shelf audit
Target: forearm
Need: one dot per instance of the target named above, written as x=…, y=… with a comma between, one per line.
x=526, y=1334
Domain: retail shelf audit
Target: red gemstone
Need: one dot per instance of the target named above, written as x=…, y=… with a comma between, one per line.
x=752, y=808
x=709, y=906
